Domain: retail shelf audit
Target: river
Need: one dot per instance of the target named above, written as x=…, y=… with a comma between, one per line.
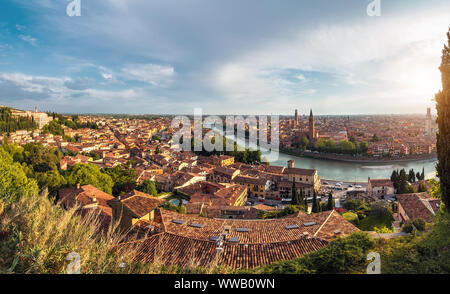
x=345, y=171
x=354, y=171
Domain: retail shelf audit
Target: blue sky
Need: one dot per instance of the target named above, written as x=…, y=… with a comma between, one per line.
x=227, y=57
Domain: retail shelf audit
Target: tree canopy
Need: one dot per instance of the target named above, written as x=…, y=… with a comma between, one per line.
x=14, y=183
x=443, y=120
x=88, y=174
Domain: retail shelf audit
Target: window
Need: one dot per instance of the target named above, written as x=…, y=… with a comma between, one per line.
x=243, y=230
x=178, y=221
x=291, y=227
x=196, y=225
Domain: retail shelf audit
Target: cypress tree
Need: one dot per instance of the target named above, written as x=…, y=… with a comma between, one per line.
x=402, y=182
x=330, y=204
x=294, y=194
x=443, y=137
x=394, y=178
x=300, y=198
x=411, y=176
x=315, y=204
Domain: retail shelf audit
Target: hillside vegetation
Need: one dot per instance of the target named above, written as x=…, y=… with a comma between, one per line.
x=36, y=237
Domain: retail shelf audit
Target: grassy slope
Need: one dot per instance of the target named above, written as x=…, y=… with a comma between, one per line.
x=369, y=223
x=36, y=236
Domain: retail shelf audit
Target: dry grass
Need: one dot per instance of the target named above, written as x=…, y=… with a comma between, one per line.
x=36, y=236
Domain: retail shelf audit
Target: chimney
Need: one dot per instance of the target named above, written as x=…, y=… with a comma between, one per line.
x=291, y=164
x=78, y=186
x=94, y=199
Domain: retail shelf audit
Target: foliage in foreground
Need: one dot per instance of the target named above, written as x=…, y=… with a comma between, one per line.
x=418, y=253
x=343, y=255
x=36, y=236
x=443, y=137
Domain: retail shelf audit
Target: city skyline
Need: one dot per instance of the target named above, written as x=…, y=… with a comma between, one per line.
x=252, y=58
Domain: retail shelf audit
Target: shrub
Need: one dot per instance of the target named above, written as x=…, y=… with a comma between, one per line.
x=425, y=253
x=342, y=255
x=383, y=229
x=351, y=217
x=419, y=224
x=361, y=215
x=380, y=209
x=352, y=204
x=407, y=227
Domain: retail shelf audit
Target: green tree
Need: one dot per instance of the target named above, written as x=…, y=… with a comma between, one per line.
x=420, y=224
x=294, y=194
x=422, y=187
x=124, y=179
x=88, y=174
x=41, y=158
x=395, y=178
x=330, y=203
x=351, y=217
x=315, y=205
x=364, y=146
x=347, y=146
x=14, y=183
x=54, y=128
x=443, y=137
x=304, y=143
x=402, y=182
x=411, y=176
x=148, y=187
x=380, y=209
x=52, y=180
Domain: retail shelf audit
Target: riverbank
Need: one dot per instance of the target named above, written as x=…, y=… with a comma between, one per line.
x=346, y=170
x=357, y=159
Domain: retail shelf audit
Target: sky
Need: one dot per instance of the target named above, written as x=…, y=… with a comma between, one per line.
x=225, y=57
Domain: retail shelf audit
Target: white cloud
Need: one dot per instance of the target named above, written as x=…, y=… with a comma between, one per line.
x=394, y=58
x=301, y=77
x=28, y=39
x=20, y=27
x=107, y=76
x=153, y=74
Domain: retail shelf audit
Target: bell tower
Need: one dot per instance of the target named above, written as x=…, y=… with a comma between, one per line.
x=312, y=131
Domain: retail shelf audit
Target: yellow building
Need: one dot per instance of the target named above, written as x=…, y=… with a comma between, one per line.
x=256, y=187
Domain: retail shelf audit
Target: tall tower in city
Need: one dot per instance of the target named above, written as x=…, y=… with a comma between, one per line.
x=428, y=122
x=296, y=119
x=311, y=126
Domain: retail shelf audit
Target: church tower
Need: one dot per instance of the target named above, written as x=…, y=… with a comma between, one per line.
x=296, y=119
x=312, y=131
x=428, y=122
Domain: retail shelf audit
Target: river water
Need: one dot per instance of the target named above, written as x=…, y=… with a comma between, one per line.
x=340, y=170
x=354, y=171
